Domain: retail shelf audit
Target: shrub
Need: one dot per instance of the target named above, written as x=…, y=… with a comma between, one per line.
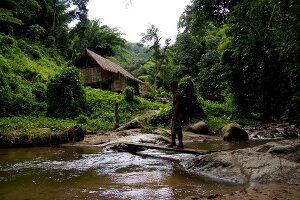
x=7, y=40
x=65, y=94
x=129, y=93
x=192, y=105
x=39, y=90
x=224, y=109
x=149, y=96
x=35, y=32
x=5, y=100
x=162, y=118
x=23, y=102
x=32, y=52
x=15, y=96
x=82, y=119
x=29, y=74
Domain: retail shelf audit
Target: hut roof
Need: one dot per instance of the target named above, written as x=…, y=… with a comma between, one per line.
x=108, y=65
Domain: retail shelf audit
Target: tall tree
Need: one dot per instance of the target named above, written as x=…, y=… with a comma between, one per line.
x=263, y=55
x=7, y=15
x=99, y=38
x=152, y=36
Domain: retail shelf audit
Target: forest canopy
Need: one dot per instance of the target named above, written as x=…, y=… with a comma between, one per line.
x=247, y=50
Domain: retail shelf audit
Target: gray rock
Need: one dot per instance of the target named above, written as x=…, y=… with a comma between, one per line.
x=73, y=134
x=285, y=149
x=266, y=168
x=54, y=140
x=219, y=166
x=272, y=162
x=133, y=124
x=199, y=128
x=120, y=144
x=233, y=132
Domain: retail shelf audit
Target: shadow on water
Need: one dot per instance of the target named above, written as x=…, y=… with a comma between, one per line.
x=90, y=173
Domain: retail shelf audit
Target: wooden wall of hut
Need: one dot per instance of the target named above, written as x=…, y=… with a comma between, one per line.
x=91, y=75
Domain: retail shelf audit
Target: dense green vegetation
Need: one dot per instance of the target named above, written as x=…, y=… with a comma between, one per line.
x=34, y=89
x=246, y=48
x=239, y=61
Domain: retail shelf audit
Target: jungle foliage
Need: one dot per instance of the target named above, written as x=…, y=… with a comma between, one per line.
x=242, y=57
x=65, y=94
x=42, y=94
x=246, y=48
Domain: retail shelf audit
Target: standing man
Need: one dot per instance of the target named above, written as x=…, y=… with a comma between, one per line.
x=177, y=117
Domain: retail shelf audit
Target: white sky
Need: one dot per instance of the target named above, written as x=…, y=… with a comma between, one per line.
x=133, y=17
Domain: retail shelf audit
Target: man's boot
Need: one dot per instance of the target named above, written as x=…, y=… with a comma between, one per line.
x=173, y=143
x=180, y=138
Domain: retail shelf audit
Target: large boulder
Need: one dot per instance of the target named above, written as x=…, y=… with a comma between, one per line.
x=199, y=128
x=73, y=134
x=133, y=124
x=285, y=149
x=122, y=143
x=272, y=162
x=54, y=140
x=233, y=132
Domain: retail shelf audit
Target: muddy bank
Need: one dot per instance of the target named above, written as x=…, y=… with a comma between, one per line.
x=45, y=139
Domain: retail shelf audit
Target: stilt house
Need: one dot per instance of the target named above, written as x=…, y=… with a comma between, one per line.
x=101, y=73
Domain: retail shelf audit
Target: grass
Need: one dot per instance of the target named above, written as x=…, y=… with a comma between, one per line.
x=20, y=130
x=31, y=124
x=24, y=66
x=23, y=107
x=101, y=108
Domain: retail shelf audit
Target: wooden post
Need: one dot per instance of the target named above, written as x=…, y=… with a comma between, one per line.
x=117, y=115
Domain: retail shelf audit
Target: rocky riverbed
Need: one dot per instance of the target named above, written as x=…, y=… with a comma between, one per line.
x=273, y=130
x=271, y=171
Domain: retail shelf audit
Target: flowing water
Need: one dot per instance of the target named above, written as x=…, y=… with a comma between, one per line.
x=91, y=173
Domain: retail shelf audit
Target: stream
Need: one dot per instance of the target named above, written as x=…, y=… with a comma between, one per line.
x=92, y=173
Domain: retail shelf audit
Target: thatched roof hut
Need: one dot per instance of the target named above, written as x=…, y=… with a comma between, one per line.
x=101, y=73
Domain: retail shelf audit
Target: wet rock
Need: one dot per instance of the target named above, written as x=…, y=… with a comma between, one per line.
x=54, y=140
x=74, y=134
x=133, y=124
x=265, y=167
x=145, y=138
x=122, y=147
x=233, y=132
x=220, y=166
x=120, y=144
x=285, y=149
x=291, y=132
x=272, y=162
x=273, y=130
x=199, y=128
